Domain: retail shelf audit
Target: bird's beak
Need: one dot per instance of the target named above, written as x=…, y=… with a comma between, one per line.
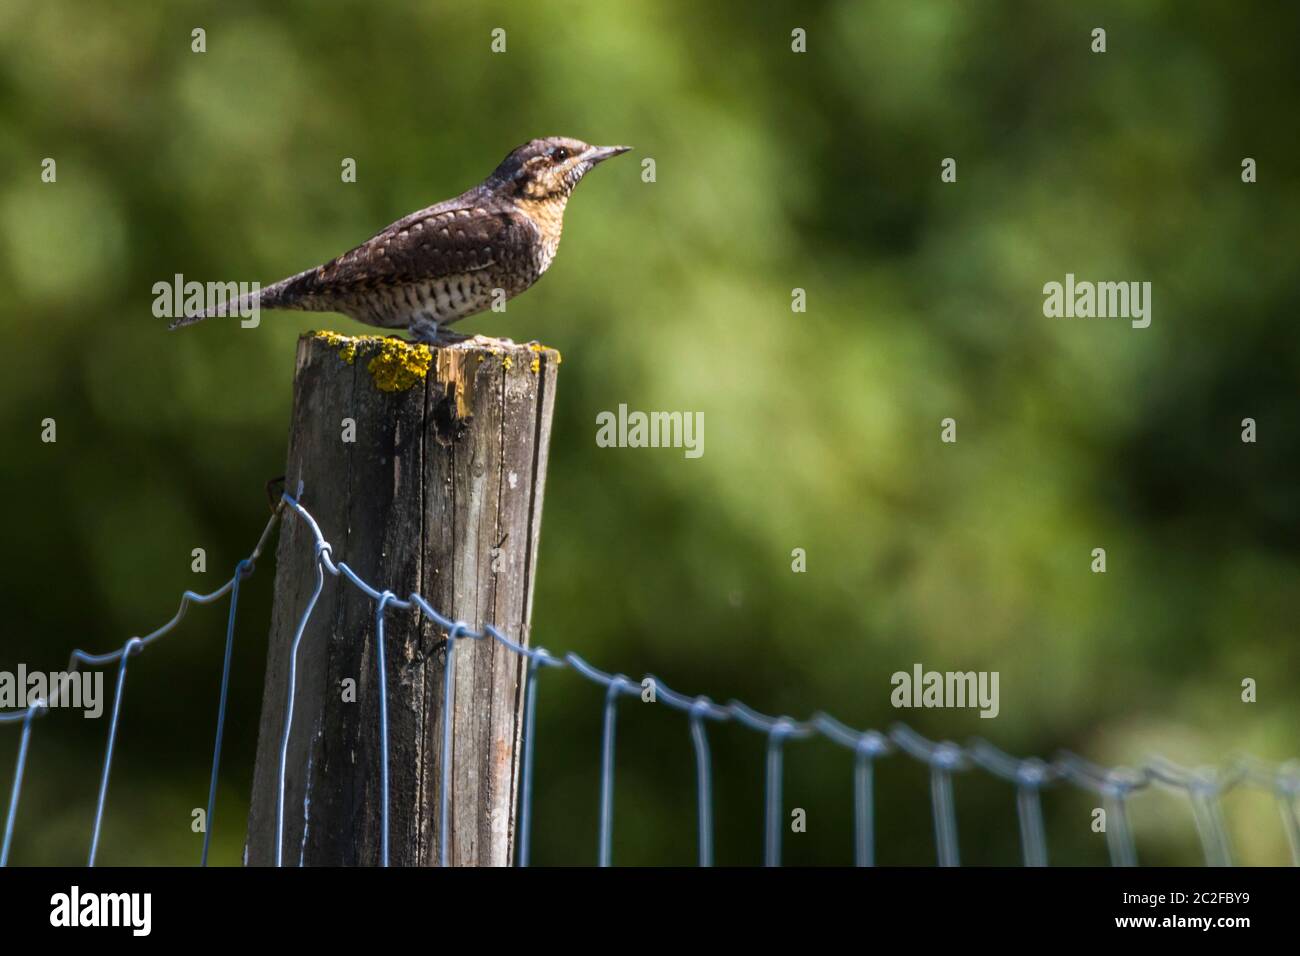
x=598, y=154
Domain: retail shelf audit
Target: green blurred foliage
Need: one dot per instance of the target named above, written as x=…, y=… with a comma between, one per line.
x=775, y=171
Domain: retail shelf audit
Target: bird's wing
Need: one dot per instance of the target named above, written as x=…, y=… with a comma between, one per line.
x=452, y=238
x=459, y=236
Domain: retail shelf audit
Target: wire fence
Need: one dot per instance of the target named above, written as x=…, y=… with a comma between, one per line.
x=1203, y=787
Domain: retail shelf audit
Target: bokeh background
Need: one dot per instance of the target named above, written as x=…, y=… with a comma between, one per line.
x=774, y=171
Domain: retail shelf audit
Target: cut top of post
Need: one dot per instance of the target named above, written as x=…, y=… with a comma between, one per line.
x=397, y=365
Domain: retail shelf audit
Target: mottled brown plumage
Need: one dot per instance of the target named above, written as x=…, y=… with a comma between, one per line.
x=451, y=260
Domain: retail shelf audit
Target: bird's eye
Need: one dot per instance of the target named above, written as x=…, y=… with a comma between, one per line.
x=559, y=154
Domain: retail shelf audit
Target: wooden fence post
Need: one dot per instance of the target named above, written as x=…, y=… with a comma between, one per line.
x=424, y=467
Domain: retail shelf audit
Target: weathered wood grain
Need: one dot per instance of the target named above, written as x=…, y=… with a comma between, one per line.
x=441, y=493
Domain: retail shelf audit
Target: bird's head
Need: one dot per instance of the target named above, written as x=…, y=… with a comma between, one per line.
x=548, y=169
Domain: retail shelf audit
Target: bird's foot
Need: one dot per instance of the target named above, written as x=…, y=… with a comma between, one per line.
x=483, y=341
x=431, y=333
x=449, y=338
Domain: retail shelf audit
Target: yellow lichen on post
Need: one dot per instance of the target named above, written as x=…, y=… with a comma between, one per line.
x=537, y=348
x=399, y=365
x=396, y=365
x=347, y=346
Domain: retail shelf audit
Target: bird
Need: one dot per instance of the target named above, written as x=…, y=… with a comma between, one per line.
x=450, y=260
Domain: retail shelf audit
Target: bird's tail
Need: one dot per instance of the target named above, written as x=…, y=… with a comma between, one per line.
x=240, y=306
x=280, y=295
